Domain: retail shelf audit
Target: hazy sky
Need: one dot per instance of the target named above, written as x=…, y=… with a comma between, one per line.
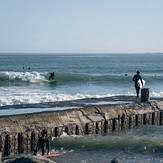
x=81, y=26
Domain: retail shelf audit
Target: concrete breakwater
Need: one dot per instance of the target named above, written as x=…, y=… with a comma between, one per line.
x=19, y=134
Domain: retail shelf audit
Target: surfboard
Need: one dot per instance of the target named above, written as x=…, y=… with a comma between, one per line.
x=48, y=156
x=140, y=83
x=53, y=81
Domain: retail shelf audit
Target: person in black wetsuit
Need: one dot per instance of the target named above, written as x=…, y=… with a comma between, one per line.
x=43, y=144
x=52, y=76
x=136, y=78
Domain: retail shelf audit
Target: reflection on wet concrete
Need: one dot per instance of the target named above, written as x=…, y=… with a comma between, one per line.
x=67, y=105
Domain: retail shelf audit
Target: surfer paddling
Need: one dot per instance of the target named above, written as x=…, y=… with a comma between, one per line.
x=43, y=144
x=52, y=76
x=136, y=78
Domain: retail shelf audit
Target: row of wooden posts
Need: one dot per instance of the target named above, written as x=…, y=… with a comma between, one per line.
x=11, y=144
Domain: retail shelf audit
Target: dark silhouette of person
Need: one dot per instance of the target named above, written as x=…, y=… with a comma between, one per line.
x=43, y=144
x=136, y=78
x=52, y=76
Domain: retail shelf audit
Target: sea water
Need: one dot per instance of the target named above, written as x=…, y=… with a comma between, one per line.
x=24, y=77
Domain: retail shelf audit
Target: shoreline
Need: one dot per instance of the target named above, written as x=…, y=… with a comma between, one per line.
x=36, y=108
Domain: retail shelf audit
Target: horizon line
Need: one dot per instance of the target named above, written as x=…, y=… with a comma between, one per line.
x=77, y=53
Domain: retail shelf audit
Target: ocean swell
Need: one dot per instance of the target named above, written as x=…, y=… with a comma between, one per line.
x=36, y=77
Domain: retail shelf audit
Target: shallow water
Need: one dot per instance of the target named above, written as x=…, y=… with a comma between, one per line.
x=143, y=143
x=7, y=112
x=18, y=110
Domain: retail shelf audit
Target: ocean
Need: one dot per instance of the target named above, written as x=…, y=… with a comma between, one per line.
x=80, y=76
x=77, y=76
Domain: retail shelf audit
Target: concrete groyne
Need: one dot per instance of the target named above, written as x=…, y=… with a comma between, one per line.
x=19, y=134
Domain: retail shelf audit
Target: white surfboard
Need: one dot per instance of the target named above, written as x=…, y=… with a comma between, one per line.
x=140, y=83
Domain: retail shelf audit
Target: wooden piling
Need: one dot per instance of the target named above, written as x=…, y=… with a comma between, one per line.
x=130, y=122
x=1, y=144
x=97, y=128
x=106, y=126
x=145, y=95
x=161, y=118
x=144, y=118
x=119, y=122
x=87, y=128
x=20, y=143
x=32, y=139
x=123, y=121
x=66, y=129
x=114, y=124
x=29, y=141
x=110, y=125
x=77, y=130
x=0, y=157
x=153, y=118
x=56, y=131
x=60, y=130
x=7, y=145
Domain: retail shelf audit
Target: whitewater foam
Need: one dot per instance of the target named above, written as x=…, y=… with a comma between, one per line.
x=32, y=77
x=16, y=96
x=159, y=95
x=24, y=96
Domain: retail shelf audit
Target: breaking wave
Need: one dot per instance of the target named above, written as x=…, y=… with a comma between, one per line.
x=7, y=77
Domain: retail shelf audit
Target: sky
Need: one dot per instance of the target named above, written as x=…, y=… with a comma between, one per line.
x=81, y=26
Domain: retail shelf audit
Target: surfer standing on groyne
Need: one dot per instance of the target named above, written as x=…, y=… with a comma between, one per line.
x=136, y=78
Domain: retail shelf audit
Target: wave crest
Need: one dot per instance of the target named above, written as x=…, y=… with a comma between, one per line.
x=21, y=77
x=62, y=78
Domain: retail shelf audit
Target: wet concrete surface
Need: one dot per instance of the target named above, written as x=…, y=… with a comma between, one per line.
x=68, y=105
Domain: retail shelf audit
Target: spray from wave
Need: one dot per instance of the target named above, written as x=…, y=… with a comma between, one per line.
x=14, y=77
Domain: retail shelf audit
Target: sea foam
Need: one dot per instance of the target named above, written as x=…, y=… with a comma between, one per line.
x=24, y=76
x=25, y=96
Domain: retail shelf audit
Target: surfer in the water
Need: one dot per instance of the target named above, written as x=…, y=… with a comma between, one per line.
x=52, y=76
x=43, y=144
x=136, y=78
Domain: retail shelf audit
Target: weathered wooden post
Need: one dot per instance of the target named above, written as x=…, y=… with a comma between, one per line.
x=144, y=118
x=32, y=141
x=87, y=128
x=7, y=145
x=145, y=95
x=67, y=130
x=76, y=130
x=153, y=118
x=20, y=143
x=114, y=124
x=123, y=126
x=161, y=116
x=106, y=126
x=97, y=128
x=0, y=157
x=56, y=131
